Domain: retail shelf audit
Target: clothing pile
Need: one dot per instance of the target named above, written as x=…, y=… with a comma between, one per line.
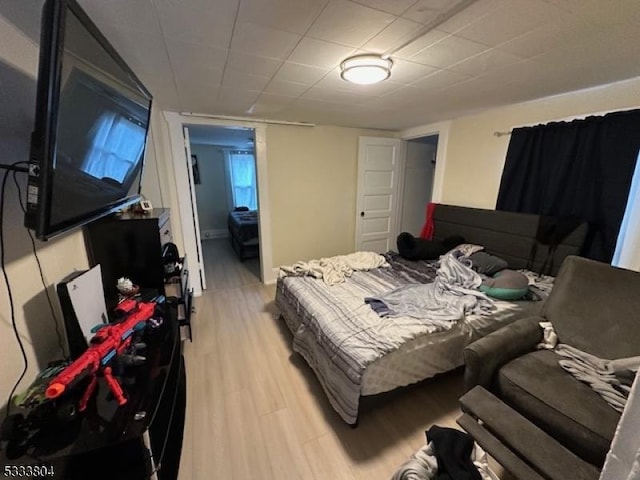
x=449, y=455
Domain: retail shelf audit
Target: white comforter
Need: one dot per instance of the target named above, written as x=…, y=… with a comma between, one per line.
x=334, y=270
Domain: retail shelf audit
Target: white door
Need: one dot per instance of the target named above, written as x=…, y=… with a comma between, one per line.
x=377, y=200
x=196, y=222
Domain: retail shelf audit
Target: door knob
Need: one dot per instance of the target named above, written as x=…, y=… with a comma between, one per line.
x=362, y=214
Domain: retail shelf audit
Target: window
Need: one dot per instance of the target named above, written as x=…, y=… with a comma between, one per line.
x=627, y=255
x=117, y=143
x=242, y=178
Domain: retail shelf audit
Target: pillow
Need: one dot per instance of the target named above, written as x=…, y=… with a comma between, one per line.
x=467, y=249
x=506, y=285
x=487, y=264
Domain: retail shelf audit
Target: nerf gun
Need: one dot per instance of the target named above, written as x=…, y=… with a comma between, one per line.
x=109, y=341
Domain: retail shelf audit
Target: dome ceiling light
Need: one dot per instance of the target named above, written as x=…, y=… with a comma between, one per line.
x=373, y=68
x=366, y=69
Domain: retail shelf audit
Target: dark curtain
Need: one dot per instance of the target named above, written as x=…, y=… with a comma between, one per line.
x=581, y=168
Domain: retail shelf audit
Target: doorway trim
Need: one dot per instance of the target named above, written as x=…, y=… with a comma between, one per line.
x=176, y=122
x=442, y=130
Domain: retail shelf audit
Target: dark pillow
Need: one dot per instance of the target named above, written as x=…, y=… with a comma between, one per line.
x=413, y=248
x=506, y=285
x=482, y=262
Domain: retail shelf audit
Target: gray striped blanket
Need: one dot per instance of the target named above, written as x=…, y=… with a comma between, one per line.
x=339, y=335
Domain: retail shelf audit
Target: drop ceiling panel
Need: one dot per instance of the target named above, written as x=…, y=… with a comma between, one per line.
x=271, y=103
x=600, y=12
x=439, y=80
x=140, y=49
x=205, y=78
x=319, y=53
x=134, y=14
x=448, y=51
x=395, y=34
x=238, y=100
x=208, y=26
x=319, y=105
x=428, y=39
x=426, y=11
x=244, y=81
x=283, y=87
x=472, y=13
x=294, y=16
x=349, y=23
x=510, y=21
x=185, y=54
x=253, y=64
x=328, y=95
x=544, y=38
x=407, y=72
x=296, y=72
x=263, y=41
x=396, y=7
x=181, y=49
x=334, y=82
x=485, y=62
x=195, y=96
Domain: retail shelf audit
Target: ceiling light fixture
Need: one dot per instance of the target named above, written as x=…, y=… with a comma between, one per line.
x=374, y=68
x=366, y=69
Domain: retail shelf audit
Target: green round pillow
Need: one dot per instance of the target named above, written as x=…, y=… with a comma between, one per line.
x=506, y=285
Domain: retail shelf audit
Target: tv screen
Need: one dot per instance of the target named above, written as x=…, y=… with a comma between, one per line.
x=92, y=120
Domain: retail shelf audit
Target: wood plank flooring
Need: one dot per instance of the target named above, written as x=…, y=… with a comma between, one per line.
x=255, y=409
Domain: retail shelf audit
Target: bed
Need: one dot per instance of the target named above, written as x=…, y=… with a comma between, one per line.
x=243, y=229
x=355, y=353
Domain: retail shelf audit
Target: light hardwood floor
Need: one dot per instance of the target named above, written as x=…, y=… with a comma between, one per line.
x=256, y=411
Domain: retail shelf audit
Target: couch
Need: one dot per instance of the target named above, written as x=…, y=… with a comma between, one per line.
x=593, y=307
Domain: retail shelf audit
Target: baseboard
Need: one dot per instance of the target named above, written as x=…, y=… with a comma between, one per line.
x=274, y=276
x=209, y=234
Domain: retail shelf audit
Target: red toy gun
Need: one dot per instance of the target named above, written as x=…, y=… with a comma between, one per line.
x=107, y=343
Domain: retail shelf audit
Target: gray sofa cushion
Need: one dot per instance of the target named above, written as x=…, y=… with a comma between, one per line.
x=536, y=386
x=594, y=307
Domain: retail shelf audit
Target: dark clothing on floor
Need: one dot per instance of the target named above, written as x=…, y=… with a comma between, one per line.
x=453, y=452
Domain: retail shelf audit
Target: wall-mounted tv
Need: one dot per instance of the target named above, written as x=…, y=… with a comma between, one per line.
x=92, y=120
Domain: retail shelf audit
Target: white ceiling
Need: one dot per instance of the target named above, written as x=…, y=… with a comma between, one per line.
x=279, y=59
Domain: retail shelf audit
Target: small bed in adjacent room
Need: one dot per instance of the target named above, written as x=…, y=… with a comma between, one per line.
x=243, y=228
x=356, y=352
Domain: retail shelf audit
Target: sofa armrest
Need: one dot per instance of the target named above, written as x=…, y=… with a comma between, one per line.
x=486, y=355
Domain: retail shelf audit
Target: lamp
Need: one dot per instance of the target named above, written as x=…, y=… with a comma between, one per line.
x=366, y=69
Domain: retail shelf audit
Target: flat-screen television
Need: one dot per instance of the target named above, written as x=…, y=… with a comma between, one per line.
x=92, y=120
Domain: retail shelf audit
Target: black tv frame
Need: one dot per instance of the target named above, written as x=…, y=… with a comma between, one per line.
x=43, y=138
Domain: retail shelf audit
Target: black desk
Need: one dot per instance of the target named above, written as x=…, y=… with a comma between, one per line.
x=113, y=442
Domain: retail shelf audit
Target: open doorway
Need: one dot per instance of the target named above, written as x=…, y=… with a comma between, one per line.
x=419, y=174
x=223, y=163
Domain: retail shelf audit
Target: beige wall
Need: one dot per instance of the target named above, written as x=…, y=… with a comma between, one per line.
x=211, y=193
x=59, y=257
x=312, y=188
x=475, y=157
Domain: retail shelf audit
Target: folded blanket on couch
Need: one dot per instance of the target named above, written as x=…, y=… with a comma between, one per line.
x=611, y=379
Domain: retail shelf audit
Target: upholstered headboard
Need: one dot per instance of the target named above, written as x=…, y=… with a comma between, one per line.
x=507, y=235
